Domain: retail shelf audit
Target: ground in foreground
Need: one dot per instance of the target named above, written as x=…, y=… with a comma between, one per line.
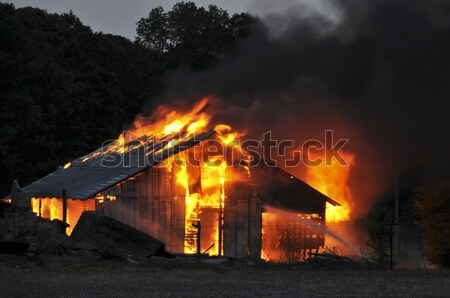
x=119, y=278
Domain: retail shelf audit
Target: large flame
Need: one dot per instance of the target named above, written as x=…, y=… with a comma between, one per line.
x=163, y=123
x=331, y=179
x=203, y=182
x=206, y=203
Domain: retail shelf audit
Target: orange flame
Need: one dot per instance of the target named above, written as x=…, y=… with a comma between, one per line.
x=178, y=127
x=332, y=181
x=210, y=200
x=52, y=208
x=163, y=123
x=175, y=127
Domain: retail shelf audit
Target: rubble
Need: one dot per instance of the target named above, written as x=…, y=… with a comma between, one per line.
x=114, y=237
x=51, y=240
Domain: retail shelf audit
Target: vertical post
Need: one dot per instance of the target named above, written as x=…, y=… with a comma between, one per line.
x=391, y=263
x=64, y=198
x=235, y=230
x=199, y=228
x=396, y=218
x=249, y=208
x=220, y=224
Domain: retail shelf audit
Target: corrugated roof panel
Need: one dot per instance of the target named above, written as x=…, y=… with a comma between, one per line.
x=83, y=180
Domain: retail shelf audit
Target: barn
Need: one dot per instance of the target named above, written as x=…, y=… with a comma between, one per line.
x=195, y=192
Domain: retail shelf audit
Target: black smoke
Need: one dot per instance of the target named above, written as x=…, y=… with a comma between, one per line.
x=379, y=77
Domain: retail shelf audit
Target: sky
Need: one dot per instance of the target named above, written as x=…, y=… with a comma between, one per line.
x=119, y=17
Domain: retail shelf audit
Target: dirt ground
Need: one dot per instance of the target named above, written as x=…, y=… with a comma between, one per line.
x=61, y=277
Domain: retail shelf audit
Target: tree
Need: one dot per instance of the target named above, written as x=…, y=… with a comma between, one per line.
x=153, y=32
x=378, y=226
x=64, y=90
x=433, y=207
x=191, y=35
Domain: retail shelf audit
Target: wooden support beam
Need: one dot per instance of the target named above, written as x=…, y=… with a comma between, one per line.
x=64, y=199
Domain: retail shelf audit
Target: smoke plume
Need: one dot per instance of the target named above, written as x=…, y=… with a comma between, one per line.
x=375, y=72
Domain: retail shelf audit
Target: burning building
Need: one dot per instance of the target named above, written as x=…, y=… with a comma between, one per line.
x=193, y=188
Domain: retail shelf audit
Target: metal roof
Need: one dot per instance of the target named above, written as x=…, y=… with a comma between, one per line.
x=279, y=189
x=95, y=172
x=286, y=188
x=86, y=178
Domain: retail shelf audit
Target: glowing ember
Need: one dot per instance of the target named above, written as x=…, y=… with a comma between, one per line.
x=332, y=180
x=101, y=198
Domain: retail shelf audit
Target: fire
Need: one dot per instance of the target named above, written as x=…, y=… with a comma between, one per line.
x=164, y=123
x=204, y=197
x=332, y=180
x=202, y=179
x=282, y=232
x=49, y=208
x=52, y=208
x=201, y=174
x=101, y=198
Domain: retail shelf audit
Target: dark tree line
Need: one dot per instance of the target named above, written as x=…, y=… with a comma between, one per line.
x=423, y=209
x=65, y=89
x=191, y=35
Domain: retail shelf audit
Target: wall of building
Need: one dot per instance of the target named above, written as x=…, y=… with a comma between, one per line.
x=150, y=202
x=155, y=203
